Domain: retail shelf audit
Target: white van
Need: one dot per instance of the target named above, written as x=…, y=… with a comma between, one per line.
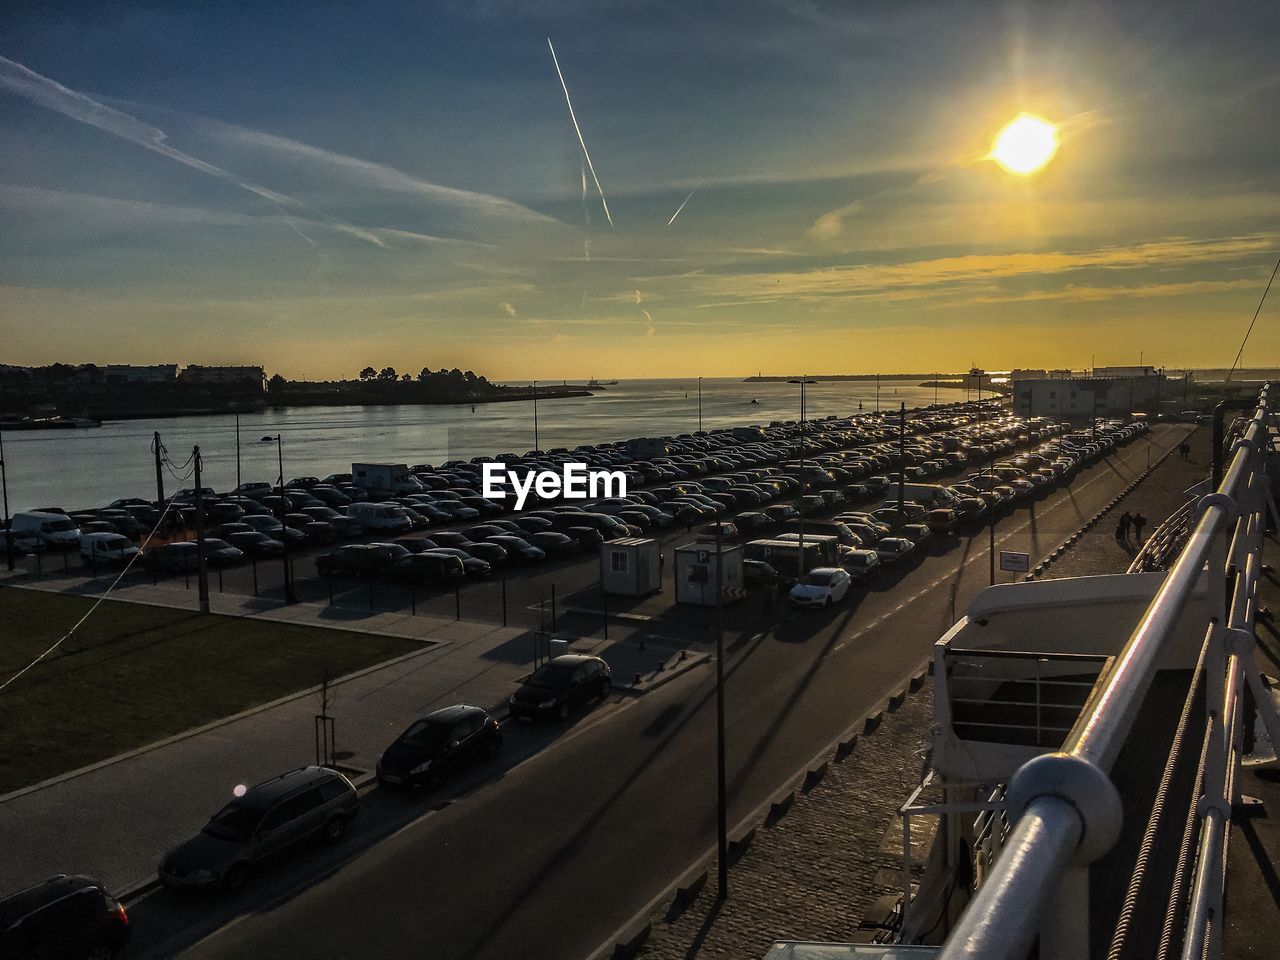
x=51, y=529
x=106, y=548
x=380, y=516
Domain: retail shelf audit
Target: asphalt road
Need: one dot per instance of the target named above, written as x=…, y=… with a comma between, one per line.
x=552, y=857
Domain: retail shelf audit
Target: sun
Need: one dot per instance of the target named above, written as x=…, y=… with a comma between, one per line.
x=1025, y=145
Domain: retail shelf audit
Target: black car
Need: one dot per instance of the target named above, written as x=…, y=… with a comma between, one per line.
x=473, y=566
x=554, y=544
x=254, y=544
x=427, y=569
x=356, y=560
x=439, y=744
x=560, y=685
x=175, y=557
x=531, y=524
x=518, y=549
x=756, y=574
x=62, y=917
x=587, y=537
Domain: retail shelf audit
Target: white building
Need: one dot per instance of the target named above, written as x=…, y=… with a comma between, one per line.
x=1086, y=397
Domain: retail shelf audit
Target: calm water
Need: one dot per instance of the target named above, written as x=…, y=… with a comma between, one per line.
x=87, y=468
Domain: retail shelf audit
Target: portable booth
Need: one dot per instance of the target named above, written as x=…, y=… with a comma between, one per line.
x=698, y=565
x=630, y=567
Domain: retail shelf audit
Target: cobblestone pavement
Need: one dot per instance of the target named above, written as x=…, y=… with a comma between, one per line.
x=813, y=874
x=1157, y=496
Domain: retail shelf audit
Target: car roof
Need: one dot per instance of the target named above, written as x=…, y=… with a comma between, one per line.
x=453, y=714
x=22, y=902
x=269, y=791
x=572, y=659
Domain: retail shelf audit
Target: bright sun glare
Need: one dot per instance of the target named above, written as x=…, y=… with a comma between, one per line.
x=1025, y=145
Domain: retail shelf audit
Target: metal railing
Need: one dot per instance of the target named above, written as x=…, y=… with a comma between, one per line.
x=1065, y=809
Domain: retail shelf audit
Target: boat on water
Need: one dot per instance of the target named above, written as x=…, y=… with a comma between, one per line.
x=594, y=384
x=50, y=423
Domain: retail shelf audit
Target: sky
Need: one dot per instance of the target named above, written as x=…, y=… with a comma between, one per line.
x=317, y=187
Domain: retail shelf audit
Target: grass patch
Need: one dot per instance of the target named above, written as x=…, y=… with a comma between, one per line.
x=134, y=674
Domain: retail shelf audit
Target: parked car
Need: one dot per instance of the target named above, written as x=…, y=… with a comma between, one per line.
x=472, y=566
x=821, y=587
x=174, y=557
x=560, y=685
x=861, y=564
x=219, y=553
x=254, y=544
x=439, y=744
x=756, y=574
x=518, y=549
x=427, y=569
x=942, y=521
x=62, y=917
x=269, y=818
x=894, y=549
x=357, y=560
x=101, y=549
x=554, y=544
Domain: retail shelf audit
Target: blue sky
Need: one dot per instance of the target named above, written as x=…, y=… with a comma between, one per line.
x=320, y=186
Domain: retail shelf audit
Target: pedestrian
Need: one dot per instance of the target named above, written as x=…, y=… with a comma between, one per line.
x=1125, y=522
x=1121, y=532
x=1139, y=521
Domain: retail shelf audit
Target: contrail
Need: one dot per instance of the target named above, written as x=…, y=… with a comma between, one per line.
x=574, y=117
x=24, y=82
x=681, y=207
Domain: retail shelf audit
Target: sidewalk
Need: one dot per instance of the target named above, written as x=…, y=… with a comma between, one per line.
x=114, y=820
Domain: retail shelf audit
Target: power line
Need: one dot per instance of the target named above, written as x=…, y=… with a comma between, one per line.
x=1240, y=353
x=97, y=603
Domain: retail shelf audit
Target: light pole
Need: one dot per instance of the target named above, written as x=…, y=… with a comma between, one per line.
x=289, y=596
x=877, y=392
x=535, y=415
x=202, y=565
x=800, y=570
x=237, y=453
x=699, y=404
x=722, y=798
x=902, y=458
x=991, y=473
x=4, y=489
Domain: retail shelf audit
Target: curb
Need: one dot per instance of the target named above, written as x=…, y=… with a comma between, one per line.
x=663, y=676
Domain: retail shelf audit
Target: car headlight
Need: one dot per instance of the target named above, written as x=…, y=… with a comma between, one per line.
x=547, y=704
x=422, y=767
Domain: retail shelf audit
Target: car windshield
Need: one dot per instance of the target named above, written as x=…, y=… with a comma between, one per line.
x=818, y=579
x=57, y=526
x=235, y=821
x=552, y=675
x=427, y=735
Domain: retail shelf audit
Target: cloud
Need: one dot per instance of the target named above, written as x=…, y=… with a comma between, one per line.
x=508, y=309
x=649, y=329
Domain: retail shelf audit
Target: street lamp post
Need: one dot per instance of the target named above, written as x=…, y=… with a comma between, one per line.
x=722, y=796
x=237, y=453
x=4, y=490
x=535, y=416
x=803, y=420
x=289, y=596
x=991, y=474
x=699, y=404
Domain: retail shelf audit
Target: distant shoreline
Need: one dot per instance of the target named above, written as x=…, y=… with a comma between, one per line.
x=837, y=377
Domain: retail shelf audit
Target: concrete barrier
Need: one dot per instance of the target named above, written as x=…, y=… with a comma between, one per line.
x=898, y=699
x=740, y=841
x=780, y=804
x=872, y=720
x=817, y=770
x=632, y=939
x=689, y=886
x=846, y=745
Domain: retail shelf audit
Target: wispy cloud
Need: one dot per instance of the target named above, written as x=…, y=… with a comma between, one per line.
x=508, y=309
x=21, y=81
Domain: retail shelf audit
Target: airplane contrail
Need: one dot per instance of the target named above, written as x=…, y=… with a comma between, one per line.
x=577, y=129
x=681, y=207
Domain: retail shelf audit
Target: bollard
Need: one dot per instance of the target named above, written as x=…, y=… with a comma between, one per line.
x=186, y=574
x=413, y=599
x=636, y=682
x=220, y=580
x=370, y=582
x=457, y=602
x=331, y=589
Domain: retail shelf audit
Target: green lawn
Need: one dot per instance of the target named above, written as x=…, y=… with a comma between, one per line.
x=134, y=674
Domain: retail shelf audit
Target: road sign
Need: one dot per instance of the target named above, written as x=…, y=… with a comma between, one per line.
x=1015, y=562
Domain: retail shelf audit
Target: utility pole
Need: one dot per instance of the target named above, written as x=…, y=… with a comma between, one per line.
x=4, y=489
x=237, y=453
x=801, y=571
x=535, y=416
x=991, y=472
x=699, y=404
x=284, y=530
x=722, y=804
x=158, y=448
x=902, y=457
x=877, y=393
x=202, y=569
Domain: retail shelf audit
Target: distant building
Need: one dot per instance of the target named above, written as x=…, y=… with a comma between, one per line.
x=1124, y=371
x=154, y=373
x=1084, y=397
x=223, y=376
